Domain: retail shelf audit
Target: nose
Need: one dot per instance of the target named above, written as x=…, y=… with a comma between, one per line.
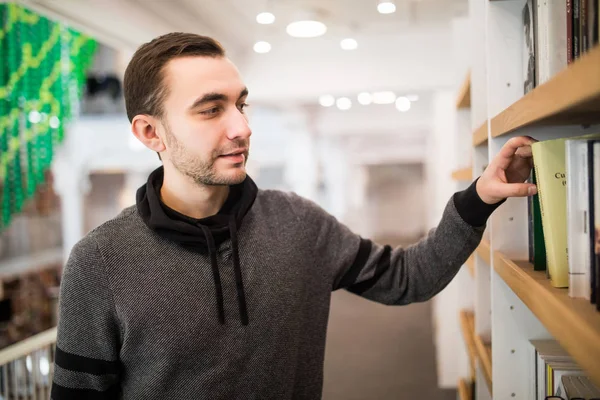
x=237, y=126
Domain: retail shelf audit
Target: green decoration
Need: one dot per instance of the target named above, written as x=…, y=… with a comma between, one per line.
x=41, y=82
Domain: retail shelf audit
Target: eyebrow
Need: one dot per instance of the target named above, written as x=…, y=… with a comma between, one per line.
x=214, y=96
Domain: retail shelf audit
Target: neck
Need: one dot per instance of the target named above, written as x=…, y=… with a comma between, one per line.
x=187, y=197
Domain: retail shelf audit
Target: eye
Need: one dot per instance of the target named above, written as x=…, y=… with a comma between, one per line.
x=211, y=111
x=243, y=106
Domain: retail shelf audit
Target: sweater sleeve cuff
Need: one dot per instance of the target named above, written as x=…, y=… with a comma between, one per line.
x=471, y=208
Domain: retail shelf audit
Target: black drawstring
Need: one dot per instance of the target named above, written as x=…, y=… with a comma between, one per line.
x=212, y=253
x=238, y=272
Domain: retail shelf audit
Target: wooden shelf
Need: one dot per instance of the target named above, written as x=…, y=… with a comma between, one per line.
x=575, y=323
x=467, y=326
x=463, y=174
x=484, y=251
x=480, y=136
x=464, y=95
x=484, y=353
x=471, y=265
x=464, y=390
x=570, y=97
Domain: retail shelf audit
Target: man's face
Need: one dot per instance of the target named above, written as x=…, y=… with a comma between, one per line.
x=204, y=125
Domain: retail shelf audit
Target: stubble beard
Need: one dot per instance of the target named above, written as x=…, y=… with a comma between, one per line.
x=203, y=172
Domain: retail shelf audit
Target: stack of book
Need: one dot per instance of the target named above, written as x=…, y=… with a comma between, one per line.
x=564, y=217
x=556, y=32
x=556, y=374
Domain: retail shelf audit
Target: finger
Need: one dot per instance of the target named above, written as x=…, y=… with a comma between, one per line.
x=524, y=152
x=509, y=149
x=516, y=190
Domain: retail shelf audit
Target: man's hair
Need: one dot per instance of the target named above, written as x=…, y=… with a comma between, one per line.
x=144, y=86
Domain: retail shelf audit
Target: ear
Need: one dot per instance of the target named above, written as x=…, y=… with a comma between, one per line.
x=145, y=128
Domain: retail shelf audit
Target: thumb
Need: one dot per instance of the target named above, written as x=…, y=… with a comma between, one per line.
x=516, y=189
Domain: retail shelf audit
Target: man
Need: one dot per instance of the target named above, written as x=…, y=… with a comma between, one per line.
x=209, y=288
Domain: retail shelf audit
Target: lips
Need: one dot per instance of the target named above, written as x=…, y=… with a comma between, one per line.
x=235, y=153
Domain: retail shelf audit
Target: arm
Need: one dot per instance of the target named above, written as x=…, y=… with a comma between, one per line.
x=402, y=275
x=87, y=348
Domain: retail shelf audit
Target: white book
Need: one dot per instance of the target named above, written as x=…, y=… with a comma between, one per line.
x=577, y=218
x=555, y=55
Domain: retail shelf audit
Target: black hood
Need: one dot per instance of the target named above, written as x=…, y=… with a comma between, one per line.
x=203, y=235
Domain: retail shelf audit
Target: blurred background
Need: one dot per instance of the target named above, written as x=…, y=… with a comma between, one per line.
x=355, y=110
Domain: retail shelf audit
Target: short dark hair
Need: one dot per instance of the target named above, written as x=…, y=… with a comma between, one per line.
x=144, y=87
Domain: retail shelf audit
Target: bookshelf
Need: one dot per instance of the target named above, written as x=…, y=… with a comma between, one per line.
x=464, y=95
x=508, y=304
x=565, y=99
x=480, y=136
x=467, y=327
x=463, y=174
x=464, y=391
x=575, y=323
x=484, y=355
x=471, y=265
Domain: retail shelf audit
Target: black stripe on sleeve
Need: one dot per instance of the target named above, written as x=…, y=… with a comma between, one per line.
x=362, y=256
x=88, y=365
x=59, y=392
x=383, y=265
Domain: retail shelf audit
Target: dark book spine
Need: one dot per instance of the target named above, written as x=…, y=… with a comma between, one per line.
x=539, y=244
x=593, y=12
x=591, y=222
x=530, y=221
x=576, y=29
x=584, y=33
x=569, y=31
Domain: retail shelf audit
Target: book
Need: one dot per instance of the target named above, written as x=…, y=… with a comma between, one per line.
x=529, y=61
x=578, y=231
x=537, y=247
x=549, y=164
x=577, y=386
x=569, y=19
x=591, y=220
x=593, y=22
x=576, y=29
x=583, y=20
x=596, y=231
x=550, y=169
x=550, y=362
x=553, y=39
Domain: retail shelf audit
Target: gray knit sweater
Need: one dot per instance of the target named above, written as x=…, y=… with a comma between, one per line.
x=138, y=311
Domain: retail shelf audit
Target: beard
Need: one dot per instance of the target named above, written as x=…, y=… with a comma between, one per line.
x=204, y=172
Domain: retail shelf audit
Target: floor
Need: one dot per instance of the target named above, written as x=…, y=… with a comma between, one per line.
x=376, y=352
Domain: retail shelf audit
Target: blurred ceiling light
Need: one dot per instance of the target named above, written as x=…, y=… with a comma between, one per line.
x=386, y=7
x=306, y=29
x=365, y=98
x=384, y=97
x=262, y=47
x=349, y=44
x=326, y=100
x=402, y=104
x=343, y=103
x=265, y=18
x=413, y=97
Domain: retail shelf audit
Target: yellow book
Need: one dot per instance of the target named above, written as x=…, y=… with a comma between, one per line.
x=550, y=172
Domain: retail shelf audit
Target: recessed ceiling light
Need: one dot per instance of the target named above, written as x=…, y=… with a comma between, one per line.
x=386, y=7
x=365, y=98
x=262, y=47
x=265, y=18
x=402, y=104
x=306, y=29
x=349, y=44
x=413, y=97
x=343, y=103
x=384, y=97
x=326, y=100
